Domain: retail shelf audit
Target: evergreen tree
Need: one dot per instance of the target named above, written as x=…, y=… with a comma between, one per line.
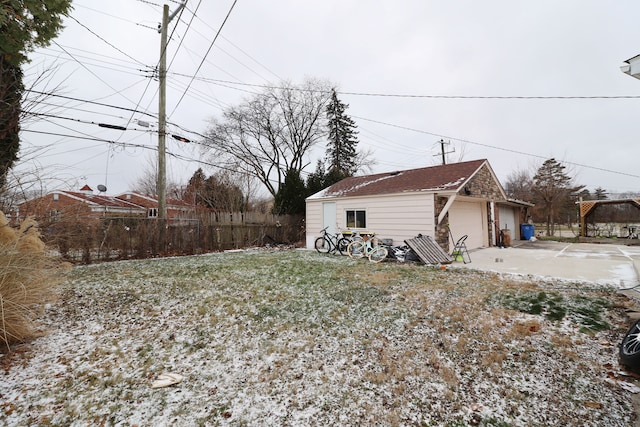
x=316, y=180
x=24, y=25
x=290, y=198
x=553, y=192
x=341, y=147
x=600, y=194
x=195, y=188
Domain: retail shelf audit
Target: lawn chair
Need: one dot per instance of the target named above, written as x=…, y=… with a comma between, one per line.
x=460, y=252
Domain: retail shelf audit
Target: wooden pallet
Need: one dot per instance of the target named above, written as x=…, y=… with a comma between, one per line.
x=428, y=250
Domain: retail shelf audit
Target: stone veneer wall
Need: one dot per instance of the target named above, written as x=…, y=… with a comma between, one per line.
x=482, y=185
x=442, y=229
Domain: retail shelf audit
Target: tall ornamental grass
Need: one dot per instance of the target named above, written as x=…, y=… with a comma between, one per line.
x=28, y=275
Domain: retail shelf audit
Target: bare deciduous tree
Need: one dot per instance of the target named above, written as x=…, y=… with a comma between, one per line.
x=271, y=133
x=518, y=185
x=146, y=183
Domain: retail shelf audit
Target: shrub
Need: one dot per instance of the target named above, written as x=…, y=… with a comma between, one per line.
x=27, y=279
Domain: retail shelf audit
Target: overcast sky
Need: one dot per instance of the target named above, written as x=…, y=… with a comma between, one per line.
x=409, y=50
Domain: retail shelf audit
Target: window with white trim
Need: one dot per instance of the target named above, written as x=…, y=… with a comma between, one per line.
x=356, y=218
x=152, y=213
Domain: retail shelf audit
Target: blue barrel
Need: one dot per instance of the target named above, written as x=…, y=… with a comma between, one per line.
x=526, y=231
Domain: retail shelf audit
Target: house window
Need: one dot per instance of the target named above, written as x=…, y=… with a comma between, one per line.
x=356, y=219
x=54, y=216
x=56, y=196
x=153, y=213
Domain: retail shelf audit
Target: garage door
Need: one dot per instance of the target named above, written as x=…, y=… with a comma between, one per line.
x=467, y=218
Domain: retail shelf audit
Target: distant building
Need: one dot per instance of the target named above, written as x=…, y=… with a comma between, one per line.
x=84, y=203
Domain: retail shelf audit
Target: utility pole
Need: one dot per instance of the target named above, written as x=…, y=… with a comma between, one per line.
x=442, y=144
x=161, y=187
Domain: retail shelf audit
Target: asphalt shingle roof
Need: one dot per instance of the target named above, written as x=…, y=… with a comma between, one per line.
x=449, y=177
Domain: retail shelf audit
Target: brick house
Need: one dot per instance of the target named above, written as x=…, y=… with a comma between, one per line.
x=176, y=208
x=84, y=203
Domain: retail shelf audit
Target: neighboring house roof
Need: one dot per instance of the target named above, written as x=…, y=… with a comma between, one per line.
x=99, y=200
x=148, y=201
x=102, y=203
x=451, y=177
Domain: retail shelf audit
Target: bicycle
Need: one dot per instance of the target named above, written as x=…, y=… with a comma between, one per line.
x=330, y=243
x=369, y=247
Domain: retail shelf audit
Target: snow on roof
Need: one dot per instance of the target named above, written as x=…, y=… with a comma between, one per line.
x=434, y=178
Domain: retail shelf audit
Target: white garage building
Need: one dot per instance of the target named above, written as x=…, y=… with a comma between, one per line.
x=445, y=202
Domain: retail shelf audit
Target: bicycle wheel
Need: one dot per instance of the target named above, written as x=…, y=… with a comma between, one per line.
x=323, y=245
x=343, y=243
x=378, y=254
x=356, y=249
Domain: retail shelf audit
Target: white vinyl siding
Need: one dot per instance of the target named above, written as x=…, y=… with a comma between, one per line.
x=469, y=218
x=397, y=217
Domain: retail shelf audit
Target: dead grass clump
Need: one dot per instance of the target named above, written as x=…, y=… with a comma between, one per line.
x=27, y=277
x=524, y=328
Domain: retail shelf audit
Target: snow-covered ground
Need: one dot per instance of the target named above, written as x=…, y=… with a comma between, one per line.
x=298, y=338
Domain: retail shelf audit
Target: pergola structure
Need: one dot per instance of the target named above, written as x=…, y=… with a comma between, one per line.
x=587, y=208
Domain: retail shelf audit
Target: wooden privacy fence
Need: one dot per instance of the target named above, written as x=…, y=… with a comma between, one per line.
x=88, y=240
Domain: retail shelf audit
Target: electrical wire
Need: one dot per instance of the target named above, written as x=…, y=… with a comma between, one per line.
x=493, y=146
x=175, y=54
x=92, y=102
x=205, y=55
x=390, y=95
x=116, y=91
x=115, y=16
x=83, y=121
x=104, y=40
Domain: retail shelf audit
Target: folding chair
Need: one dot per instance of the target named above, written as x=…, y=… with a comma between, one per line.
x=460, y=252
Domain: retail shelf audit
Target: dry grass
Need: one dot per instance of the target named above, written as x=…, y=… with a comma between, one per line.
x=27, y=277
x=298, y=338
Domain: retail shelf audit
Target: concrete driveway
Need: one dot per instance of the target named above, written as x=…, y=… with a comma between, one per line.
x=606, y=264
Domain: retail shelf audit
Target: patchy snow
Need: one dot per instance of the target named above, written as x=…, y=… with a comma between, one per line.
x=453, y=184
x=327, y=193
x=298, y=338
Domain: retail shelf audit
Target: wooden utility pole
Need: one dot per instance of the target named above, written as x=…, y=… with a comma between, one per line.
x=161, y=186
x=442, y=144
x=162, y=122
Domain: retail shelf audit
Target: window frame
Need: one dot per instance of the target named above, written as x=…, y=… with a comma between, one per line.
x=356, y=213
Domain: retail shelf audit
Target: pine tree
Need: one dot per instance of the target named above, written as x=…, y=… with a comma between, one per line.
x=600, y=194
x=553, y=191
x=341, y=148
x=24, y=25
x=290, y=198
x=316, y=181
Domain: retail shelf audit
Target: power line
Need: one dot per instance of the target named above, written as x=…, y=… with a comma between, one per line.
x=205, y=55
x=389, y=95
x=116, y=91
x=92, y=102
x=116, y=17
x=104, y=40
x=100, y=124
x=128, y=144
x=493, y=146
x=185, y=32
